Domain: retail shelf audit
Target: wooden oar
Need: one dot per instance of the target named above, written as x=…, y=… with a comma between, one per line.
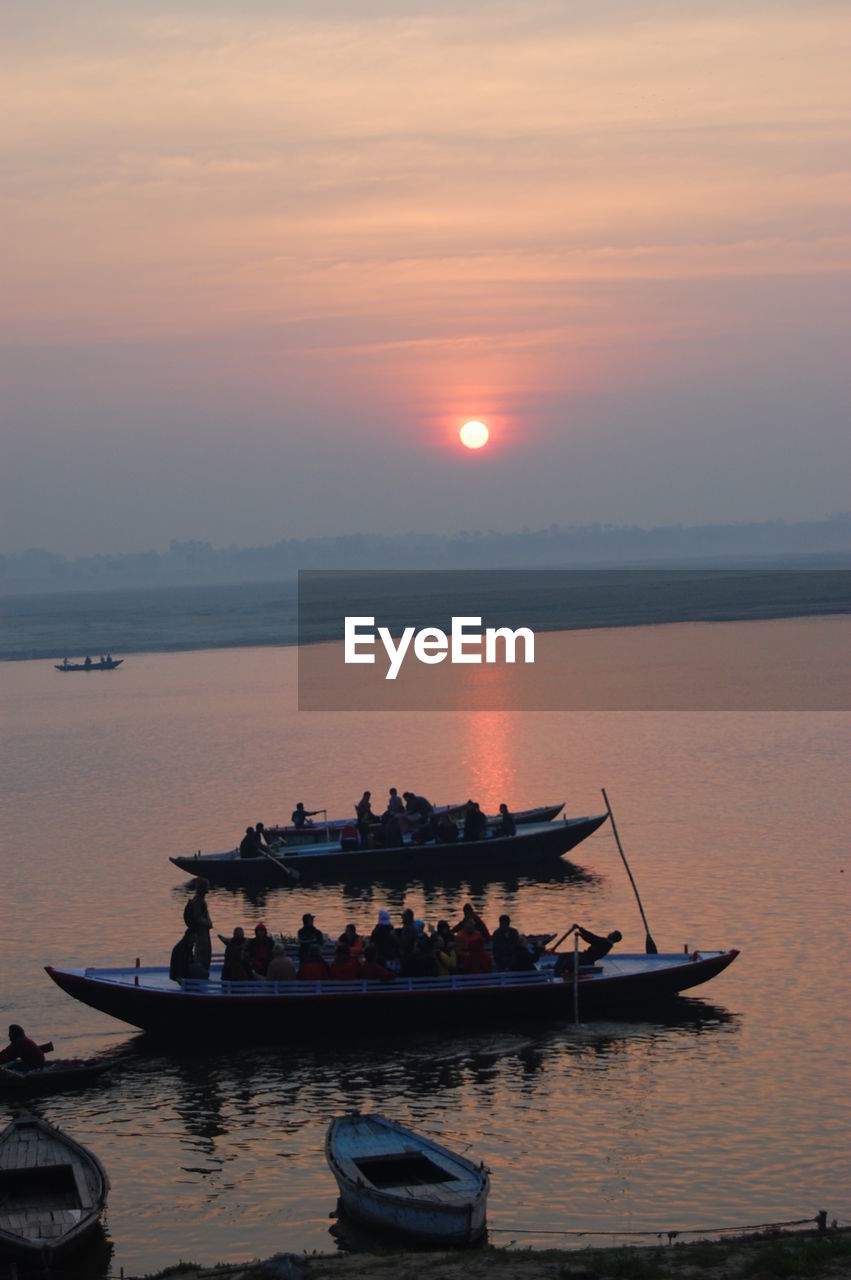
x=288, y=871
x=649, y=945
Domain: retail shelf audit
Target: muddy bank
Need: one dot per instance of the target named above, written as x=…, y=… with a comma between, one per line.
x=809, y=1254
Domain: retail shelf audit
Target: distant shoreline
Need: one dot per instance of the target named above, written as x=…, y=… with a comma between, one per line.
x=193, y=619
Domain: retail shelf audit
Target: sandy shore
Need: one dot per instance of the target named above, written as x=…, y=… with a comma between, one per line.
x=811, y=1254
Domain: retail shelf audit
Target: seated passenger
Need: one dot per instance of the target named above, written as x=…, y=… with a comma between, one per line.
x=525, y=956
x=258, y=951
x=281, y=967
x=505, y=940
x=447, y=830
x=474, y=958
x=21, y=1053
x=372, y=969
x=470, y=914
x=391, y=832
x=423, y=963
x=236, y=967
x=406, y=940
x=313, y=967
x=180, y=963
x=351, y=939
x=596, y=949
x=344, y=966
x=249, y=846
x=444, y=953
x=506, y=825
x=308, y=936
x=475, y=822
x=384, y=938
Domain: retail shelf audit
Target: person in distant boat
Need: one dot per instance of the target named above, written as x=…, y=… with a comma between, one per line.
x=281, y=967
x=308, y=936
x=88, y=661
x=21, y=1053
x=475, y=822
x=197, y=917
x=506, y=825
x=418, y=809
x=262, y=838
x=249, y=845
x=504, y=944
x=395, y=805
x=300, y=816
x=365, y=817
x=597, y=948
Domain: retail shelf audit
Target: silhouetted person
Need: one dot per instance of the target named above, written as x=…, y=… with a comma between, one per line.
x=21, y=1053
x=506, y=825
x=598, y=947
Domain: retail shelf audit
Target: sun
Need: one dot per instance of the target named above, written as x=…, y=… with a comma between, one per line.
x=474, y=435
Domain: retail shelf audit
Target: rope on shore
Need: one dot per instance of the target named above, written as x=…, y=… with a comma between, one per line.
x=820, y=1220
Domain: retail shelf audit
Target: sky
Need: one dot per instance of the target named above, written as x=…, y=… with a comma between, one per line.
x=261, y=262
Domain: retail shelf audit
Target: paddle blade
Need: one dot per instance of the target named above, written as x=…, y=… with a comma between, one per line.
x=650, y=947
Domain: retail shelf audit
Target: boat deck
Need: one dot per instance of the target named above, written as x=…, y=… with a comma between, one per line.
x=46, y=1189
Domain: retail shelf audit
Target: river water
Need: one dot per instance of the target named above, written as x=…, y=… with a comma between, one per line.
x=732, y=1111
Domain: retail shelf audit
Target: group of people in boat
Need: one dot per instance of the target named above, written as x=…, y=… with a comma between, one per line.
x=409, y=949
x=407, y=814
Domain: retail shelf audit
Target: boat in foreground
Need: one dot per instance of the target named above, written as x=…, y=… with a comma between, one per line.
x=234, y=1013
x=399, y=1181
x=52, y=1190
x=531, y=846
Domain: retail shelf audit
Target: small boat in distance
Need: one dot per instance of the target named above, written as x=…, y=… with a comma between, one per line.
x=52, y=1191
x=398, y=1181
x=104, y=664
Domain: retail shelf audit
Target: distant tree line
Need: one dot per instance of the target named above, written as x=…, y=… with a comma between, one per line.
x=577, y=546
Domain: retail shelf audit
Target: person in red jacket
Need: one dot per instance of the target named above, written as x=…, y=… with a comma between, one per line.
x=344, y=966
x=313, y=967
x=372, y=969
x=470, y=914
x=21, y=1053
x=474, y=958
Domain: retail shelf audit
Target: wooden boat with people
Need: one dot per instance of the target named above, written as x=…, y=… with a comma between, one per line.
x=52, y=1191
x=104, y=664
x=322, y=832
x=54, y=1077
x=531, y=847
x=234, y=1013
x=399, y=1181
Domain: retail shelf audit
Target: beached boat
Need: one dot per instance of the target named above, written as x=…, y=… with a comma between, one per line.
x=398, y=1181
x=105, y=664
x=321, y=832
x=53, y=1077
x=529, y=848
x=235, y=1013
x=52, y=1190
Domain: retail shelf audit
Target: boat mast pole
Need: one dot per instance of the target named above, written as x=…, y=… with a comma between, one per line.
x=649, y=945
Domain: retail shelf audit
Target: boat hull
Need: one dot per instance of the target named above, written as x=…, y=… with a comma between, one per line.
x=531, y=847
x=232, y=1014
x=57, y=1077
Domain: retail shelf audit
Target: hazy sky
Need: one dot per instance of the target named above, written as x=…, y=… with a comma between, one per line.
x=260, y=262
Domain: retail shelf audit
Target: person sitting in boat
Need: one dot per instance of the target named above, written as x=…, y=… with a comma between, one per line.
x=351, y=938
x=504, y=944
x=250, y=845
x=473, y=957
x=21, y=1053
x=525, y=955
x=475, y=822
x=469, y=914
x=447, y=830
x=180, y=961
x=313, y=968
x=281, y=967
x=597, y=948
x=308, y=936
x=258, y=950
x=236, y=967
x=383, y=937
x=506, y=825
x=262, y=838
x=301, y=816
x=443, y=950
x=406, y=941
x=391, y=831
x=423, y=963
x=420, y=814
x=395, y=805
x=372, y=969
x=344, y=967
